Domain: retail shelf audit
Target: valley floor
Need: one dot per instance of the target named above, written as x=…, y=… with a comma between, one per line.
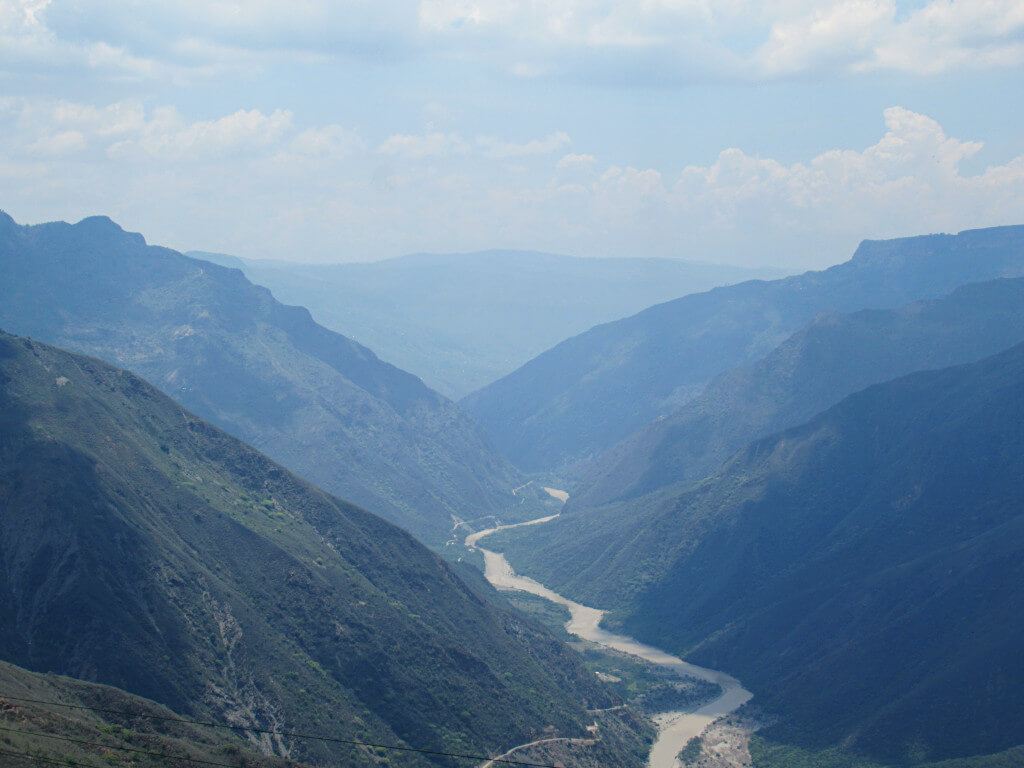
x=675, y=729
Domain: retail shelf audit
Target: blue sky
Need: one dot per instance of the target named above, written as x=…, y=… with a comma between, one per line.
x=777, y=132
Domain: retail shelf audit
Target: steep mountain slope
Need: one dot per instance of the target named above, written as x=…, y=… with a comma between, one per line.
x=861, y=573
x=96, y=722
x=144, y=548
x=590, y=392
x=460, y=321
x=319, y=403
x=836, y=355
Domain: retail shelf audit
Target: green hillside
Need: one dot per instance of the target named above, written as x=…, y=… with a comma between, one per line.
x=144, y=548
x=53, y=718
x=319, y=403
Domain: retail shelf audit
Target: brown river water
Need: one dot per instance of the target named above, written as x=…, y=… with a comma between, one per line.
x=675, y=729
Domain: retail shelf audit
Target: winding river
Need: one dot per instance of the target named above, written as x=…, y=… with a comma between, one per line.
x=675, y=729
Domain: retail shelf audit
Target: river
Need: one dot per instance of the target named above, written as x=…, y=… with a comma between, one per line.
x=675, y=729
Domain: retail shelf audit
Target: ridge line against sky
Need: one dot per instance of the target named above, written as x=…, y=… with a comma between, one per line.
x=750, y=133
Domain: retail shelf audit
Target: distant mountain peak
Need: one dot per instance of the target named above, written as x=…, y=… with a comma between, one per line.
x=104, y=226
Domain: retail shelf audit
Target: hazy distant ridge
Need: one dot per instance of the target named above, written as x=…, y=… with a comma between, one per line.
x=581, y=397
x=460, y=321
x=320, y=403
x=834, y=356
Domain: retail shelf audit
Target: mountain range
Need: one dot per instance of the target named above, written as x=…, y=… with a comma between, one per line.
x=141, y=547
x=862, y=571
x=811, y=483
x=321, y=404
x=858, y=571
x=834, y=356
x=588, y=393
x=460, y=321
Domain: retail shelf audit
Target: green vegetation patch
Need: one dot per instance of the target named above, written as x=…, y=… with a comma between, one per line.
x=766, y=752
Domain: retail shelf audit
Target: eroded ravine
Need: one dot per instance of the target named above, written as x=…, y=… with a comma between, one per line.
x=675, y=729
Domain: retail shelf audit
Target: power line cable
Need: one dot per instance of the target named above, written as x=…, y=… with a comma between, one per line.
x=27, y=756
x=151, y=753
x=283, y=734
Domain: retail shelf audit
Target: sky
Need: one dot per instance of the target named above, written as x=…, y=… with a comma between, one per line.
x=778, y=133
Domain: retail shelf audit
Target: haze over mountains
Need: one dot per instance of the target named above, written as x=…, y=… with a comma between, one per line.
x=860, y=571
x=586, y=394
x=811, y=483
x=144, y=548
x=834, y=356
x=321, y=404
x=460, y=321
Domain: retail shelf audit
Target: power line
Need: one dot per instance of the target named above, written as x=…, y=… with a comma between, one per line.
x=183, y=758
x=27, y=756
x=284, y=734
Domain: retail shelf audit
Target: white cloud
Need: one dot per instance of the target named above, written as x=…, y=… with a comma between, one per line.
x=123, y=131
x=263, y=183
x=28, y=44
x=332, y=141
x=493, y=147
x=739, y=208
x=167, y=136
x=866, y=35
x=843, y=33
x=436, y=144
x=426, y=145
x=576, y=161
x=64, y=143
x=657, y=40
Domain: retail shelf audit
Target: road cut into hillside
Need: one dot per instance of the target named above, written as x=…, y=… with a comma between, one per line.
x=675, y=729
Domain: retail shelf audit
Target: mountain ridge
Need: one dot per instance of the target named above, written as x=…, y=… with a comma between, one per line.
x=145, y=548
x=833, y=356
x=584, y=395
x=462, y=320
x=321, y=403
x=858, y=572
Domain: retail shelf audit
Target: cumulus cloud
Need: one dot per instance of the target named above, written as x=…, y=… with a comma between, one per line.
x=908, y=182
x=28, y=45
x=915, y=161
x=658, y=40
x=263, y=183
x=332, y=141
x=426, y=145
x=740, y=208
x=169, y=137
x=867, y=35
x=125, y=136
x=842, y=34
x=493, y=147
x=436, y=144
x=576, y=161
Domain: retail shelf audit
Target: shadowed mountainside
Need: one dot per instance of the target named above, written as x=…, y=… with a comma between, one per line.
x=583, y=396
x=860, y=573
x=835, y=356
